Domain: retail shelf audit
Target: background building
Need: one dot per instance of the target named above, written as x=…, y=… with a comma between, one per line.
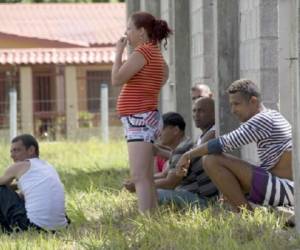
x=57, y=56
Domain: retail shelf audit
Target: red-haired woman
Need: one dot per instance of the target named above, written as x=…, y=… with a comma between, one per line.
x=142, y=77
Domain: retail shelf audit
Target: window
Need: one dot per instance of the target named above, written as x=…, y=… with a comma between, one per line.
x=3, y=94
x=94, y=80
x=43, y=92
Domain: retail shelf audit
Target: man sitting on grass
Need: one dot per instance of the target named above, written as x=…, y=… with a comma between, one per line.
x=40, y=204
x=196, y=188
x=270, y=183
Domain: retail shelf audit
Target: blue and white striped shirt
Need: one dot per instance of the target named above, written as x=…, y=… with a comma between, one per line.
x=269, y=130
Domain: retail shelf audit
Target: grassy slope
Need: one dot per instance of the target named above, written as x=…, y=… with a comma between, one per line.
x=105, y=217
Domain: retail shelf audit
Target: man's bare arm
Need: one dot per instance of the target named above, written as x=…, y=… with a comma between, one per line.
x=164, y=173
x=8, y=176
x=170, y=182
x=14, y=172
x=161, y=150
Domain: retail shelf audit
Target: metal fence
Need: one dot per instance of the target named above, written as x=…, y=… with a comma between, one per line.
x=50, y=122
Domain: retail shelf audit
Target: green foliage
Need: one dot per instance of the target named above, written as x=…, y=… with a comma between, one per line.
x=104, y=216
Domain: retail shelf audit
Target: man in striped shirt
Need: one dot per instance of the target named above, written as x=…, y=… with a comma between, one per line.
x=270, y=183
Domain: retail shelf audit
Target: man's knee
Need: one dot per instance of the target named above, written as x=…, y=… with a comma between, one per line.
x=209, y=161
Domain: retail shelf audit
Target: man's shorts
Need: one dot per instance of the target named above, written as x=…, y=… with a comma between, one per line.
x=142, y=126
x=267, y=189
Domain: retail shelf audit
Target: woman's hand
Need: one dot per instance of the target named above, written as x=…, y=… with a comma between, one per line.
x=183, y=164
x=121, y=44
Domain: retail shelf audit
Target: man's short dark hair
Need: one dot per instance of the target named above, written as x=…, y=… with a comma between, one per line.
x=246, y=87
x=28, y=141
x=174, y=119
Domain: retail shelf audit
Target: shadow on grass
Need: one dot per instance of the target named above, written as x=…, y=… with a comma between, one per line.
x=104, y=178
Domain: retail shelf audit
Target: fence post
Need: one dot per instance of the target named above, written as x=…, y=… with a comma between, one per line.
x=104, y=112
x=294, y=76
x=12, y=112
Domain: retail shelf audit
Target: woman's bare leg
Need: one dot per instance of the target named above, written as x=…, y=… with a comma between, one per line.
x=141, y=168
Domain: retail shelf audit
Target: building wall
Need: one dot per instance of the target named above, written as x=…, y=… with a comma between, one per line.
x=168, y=94
x=10, y=41
x=259, y=47
x=202, y=46
x=285, y=26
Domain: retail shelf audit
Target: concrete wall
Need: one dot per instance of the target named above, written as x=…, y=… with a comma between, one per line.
x=202, y=42
x=168, y=94
x=226, y=18
x=182, y=61
x=285, y=23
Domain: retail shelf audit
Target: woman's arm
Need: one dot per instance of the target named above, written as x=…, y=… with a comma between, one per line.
x=121, y=73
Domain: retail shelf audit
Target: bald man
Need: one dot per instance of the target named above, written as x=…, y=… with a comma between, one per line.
x=195, y=188
x=200, y=90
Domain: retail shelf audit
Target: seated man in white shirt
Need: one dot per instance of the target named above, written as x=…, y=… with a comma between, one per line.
x=41, y=203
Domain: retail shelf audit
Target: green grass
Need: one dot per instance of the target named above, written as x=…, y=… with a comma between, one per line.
x=105, y=217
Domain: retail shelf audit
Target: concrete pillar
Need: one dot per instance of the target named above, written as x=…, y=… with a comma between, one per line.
x=132, y=6
x=168, y=93
x=152, y=6
x=182, y=61
x=26, y=99
x=13, y=125
x=208, y=44
x=268, y=22
x=226, y=19
x=250, y=59
x=285, y=85
x=202, y=45
x=294, y=77
x=259, y=47
x=60, y=89
x=71, y=101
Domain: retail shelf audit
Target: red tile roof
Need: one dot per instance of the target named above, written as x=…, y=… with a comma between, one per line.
x=57, y=56
x=92, y=24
